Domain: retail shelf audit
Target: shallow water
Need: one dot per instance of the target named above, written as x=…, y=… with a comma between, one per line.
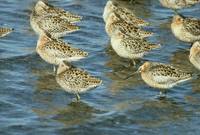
x=31, y=102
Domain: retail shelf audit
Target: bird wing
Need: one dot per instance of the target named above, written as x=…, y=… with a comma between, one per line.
x=85, y=77
x=126, y=12
x=78, y=76
x=58, y=49
x=134, y=45
x=168, y=74
x=62, y=12
x=180, y=3
x=192, y=25
x=54, y=24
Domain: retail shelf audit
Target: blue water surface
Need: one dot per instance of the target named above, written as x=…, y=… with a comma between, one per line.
x=32, y=103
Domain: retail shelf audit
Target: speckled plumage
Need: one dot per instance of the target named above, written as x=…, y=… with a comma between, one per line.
x=186, y=29
x=114, y=23
x=55, y=51
x=195, y=54
x=54, y=25
x=74, y=80
x=123, y=13
x=129, y=47
x=5, y=31
x=130, y=17
x=178, y=4
x=162, y=76
x=43, y=8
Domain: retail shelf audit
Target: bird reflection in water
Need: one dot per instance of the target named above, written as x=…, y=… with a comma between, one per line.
x=43, y=72
x=75, y=113
x=155, y=113
x=181, y=59
x=120, y=71
x=195, y=85
x=193, y=99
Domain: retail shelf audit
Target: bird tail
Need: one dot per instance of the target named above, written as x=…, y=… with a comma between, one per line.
x=154, y=46
x=146, y=33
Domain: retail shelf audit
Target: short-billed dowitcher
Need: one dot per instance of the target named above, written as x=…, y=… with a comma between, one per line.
x=43, y=8
x=195, y=54
x=74, y=80
x=124, y=14
x=186, y=29
x=162, y=76
x=114, y=23
x=55, y=51
x=5, y=31
x=129, y=47
x=178, y=4
x=54, y=25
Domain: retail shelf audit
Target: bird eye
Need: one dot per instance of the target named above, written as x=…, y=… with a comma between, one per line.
x=179, y=19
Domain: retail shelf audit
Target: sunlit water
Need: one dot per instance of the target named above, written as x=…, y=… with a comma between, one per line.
x=31, y=102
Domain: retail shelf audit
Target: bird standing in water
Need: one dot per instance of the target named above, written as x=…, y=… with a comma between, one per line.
x=130, y=47
x=55, y=51
x=74, y=80
x=178, y=4
x=186, y=29
x=162, y=76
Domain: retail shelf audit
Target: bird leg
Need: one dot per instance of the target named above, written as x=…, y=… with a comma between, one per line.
x=54, y=68
x=132, y=63
x=77, y=97
x=162, y=95
x=176, y=12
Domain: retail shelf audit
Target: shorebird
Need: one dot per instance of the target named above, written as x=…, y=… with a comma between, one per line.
x=129, y=47
x=74, y=80
x=43, y=8
x=162, y=76
x=178, y=4
x=54, y=25
x=5, y=31
x=114, y=23
x=186, y=29
x=55, y=51
x=195, y=54
x=123, y=13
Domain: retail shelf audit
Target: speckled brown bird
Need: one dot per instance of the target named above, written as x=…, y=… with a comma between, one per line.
x=55, y=51
x=162, y=76
x=114, y=23
x=74, y=80
x=131, y=48
x=43, y=8
x=54, y=25
x=123, y=13
x=186, y=29
x=178, y=4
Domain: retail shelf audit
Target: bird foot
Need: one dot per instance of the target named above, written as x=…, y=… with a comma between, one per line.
x=74, y=100
x=132, y=63
x=77, y=99
x=161, y=96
